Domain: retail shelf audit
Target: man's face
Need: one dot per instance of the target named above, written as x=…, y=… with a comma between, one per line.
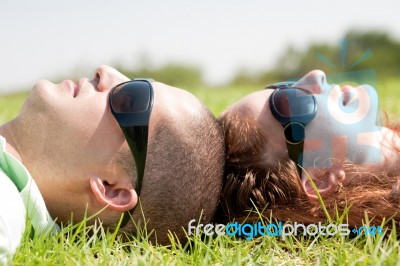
x=79, y=137
x=76, y=137
x=75, y=118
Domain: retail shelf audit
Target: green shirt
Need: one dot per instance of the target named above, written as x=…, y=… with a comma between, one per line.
x=20, y=202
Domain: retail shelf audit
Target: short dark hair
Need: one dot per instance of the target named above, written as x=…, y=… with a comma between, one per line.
x=183, y=176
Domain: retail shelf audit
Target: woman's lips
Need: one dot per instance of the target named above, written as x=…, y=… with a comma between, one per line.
x=348, y=93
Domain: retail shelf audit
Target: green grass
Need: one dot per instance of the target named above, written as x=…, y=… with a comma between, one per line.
x=75, y=247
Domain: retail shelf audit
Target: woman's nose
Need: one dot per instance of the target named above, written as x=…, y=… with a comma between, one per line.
x=108, y=77
x=314, y=82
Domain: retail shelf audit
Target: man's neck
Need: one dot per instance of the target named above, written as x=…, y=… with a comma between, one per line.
x=6, y=131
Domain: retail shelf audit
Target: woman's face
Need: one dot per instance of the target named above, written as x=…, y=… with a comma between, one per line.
x=344, y=129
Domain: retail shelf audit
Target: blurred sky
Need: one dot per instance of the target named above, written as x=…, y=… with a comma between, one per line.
x=52, y=39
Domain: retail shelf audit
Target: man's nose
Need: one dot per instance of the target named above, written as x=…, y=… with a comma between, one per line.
x=108, y=77
x=314, y=82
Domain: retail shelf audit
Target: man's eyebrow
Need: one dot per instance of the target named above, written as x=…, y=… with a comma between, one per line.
x=124, y=159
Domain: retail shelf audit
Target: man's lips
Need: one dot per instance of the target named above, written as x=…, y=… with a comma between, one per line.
x=76, y=88
x=72, y=87
x=79, y=85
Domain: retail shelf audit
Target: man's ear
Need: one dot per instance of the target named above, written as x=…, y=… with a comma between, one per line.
x=119, y=197
x=325, y=182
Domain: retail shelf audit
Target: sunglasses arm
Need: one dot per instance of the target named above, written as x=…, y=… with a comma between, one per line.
x=295, y=151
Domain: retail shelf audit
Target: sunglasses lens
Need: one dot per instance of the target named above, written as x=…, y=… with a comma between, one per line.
x=293, y=102
x=131, y=98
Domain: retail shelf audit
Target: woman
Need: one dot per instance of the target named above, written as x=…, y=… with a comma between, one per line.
x=295, y=143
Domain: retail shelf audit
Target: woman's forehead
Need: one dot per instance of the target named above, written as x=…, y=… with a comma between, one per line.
x=253, y=103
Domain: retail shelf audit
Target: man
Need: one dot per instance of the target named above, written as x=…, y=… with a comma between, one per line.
x=71, y=143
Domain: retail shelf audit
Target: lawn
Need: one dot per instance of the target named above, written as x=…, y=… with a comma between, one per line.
x=74, y=247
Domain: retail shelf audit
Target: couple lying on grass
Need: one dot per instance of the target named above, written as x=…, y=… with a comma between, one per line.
x=139, y=153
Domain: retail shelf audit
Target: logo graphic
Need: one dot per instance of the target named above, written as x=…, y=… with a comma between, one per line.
x=351, y=115
x=368, y=231
x=343, y=53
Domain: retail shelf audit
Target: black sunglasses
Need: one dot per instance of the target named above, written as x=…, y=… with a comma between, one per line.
x=131, y=104
x=293, y=108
